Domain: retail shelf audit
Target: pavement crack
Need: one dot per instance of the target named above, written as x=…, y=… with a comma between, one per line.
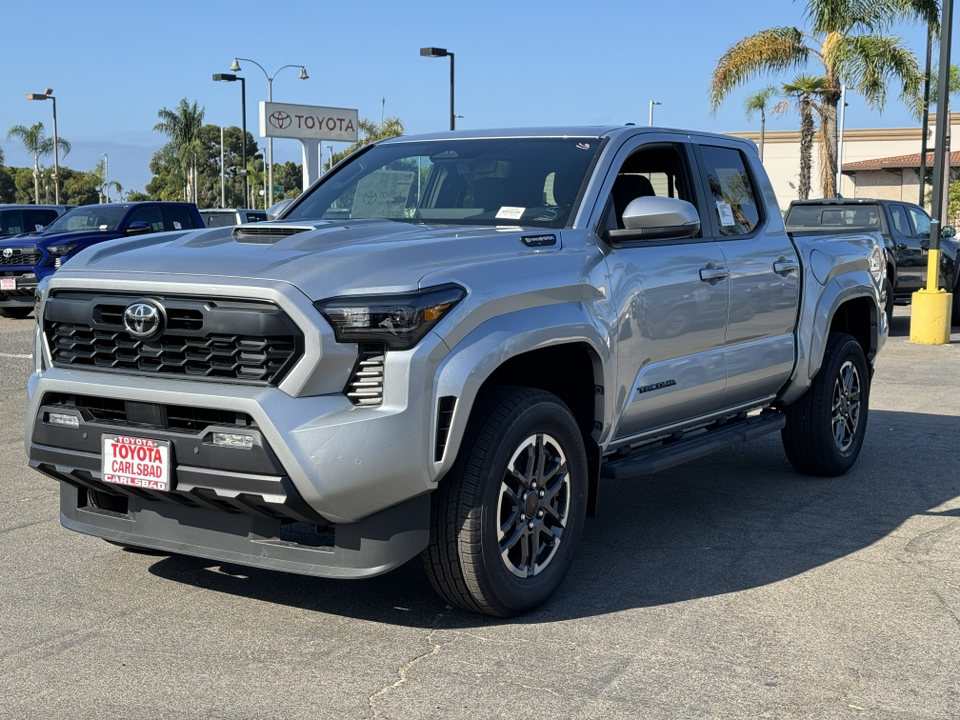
x=410, y=664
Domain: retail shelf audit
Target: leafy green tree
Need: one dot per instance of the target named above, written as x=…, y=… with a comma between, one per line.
x=98, y=177
x=8, y=190
x=804, y=93
x=36, y=142
x=371, y=132
x=137, y=196
x=79, y=188
x=847, y=37
x=182, y=126
x=758, y=102
x=169, y=179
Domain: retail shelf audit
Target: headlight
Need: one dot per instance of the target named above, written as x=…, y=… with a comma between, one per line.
x=58, y=250
x=399, y=320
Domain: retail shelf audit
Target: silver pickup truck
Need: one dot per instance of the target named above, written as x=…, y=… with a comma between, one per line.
x=442, y=348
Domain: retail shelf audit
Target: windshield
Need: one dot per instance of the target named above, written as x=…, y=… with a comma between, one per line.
x=89, y=217
x=498, y=181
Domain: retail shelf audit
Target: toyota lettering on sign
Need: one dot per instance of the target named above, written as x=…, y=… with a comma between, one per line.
x=305, y=122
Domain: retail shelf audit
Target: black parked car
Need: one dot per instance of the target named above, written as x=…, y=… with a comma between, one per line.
x=905, y=228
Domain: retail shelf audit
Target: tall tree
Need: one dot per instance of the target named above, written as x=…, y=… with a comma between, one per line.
x=847, y=37
x=803, y=91
x=758, y=102
x=98, y=177
x=182, y=126
x=36, y=142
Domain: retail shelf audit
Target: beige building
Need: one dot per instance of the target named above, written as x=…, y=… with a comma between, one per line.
x=880, y=163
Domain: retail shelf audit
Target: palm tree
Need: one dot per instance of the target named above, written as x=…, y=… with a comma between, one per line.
x=182, y=126
x=758, y=102
x=36, y=142
x=802, y=91
x=847, y=38
x=99, y=177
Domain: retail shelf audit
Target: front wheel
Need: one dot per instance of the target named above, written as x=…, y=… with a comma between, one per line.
x=826, y=426
x=507, y=518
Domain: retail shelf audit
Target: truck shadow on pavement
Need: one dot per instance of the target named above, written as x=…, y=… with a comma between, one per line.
x=736, y=520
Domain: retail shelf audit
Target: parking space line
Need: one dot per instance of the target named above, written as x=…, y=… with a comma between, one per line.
x=12, y=355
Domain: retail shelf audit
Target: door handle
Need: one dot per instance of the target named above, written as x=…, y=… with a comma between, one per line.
x=713, y=273
x=782, y=267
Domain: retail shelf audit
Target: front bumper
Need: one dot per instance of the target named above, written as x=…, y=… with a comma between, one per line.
x=25, y=282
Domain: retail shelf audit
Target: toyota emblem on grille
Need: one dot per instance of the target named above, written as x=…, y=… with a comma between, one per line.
x=8, y=252
x=143, y=319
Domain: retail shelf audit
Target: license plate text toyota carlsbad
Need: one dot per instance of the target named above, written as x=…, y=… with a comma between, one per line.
x=140, y=462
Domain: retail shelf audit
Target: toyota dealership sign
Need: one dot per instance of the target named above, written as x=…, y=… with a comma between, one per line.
x=308, y=122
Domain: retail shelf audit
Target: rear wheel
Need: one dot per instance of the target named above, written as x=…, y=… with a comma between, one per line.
x=826, y=426
x=17, y=313
x=507, y=519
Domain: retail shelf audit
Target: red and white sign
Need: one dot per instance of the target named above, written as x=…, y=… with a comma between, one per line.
x=308, y=122
x=139, y=462
x=8, y=283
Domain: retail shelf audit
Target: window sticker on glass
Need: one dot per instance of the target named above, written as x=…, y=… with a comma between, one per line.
x=177, y=225
x=104, y=227
x=510, y=213
x=726, y=214
x=383, y=194
x=38, y=226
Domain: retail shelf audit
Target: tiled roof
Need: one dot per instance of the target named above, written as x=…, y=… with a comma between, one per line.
x=898, y=161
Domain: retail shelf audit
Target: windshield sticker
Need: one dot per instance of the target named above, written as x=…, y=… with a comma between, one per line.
x=510, y=213
x=104, y=227
x=39, y=227
x=726, y=214
x=177, y=225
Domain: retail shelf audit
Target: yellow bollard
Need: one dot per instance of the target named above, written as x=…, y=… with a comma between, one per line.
x=930, y=311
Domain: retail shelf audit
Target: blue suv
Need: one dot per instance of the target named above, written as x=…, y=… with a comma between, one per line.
x=28, y=258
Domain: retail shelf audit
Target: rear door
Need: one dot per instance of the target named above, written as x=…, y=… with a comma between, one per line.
x=671, y=296
x=764, y=273
x=911, y=255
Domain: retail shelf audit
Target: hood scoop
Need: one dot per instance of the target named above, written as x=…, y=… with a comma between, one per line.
x=266, y=234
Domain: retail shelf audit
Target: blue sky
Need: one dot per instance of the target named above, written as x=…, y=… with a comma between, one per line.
x=113, y=65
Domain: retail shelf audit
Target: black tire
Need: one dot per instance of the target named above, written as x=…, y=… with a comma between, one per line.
x=955, y=315
x=17, y=313
x=482, y=506
x=888, y=308
x=826, y=426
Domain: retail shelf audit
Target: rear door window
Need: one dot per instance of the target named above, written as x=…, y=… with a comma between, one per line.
x=736, y=205
x=179, y=218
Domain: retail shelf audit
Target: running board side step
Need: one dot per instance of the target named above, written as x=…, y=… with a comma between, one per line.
x=647, y=462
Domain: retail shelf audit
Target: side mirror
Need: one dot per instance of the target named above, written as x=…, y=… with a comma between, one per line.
x=651, y=218
x=137, y=227
x=948, y=231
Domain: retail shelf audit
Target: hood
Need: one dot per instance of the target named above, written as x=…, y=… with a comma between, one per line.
x=322, y=259
x=45, y=238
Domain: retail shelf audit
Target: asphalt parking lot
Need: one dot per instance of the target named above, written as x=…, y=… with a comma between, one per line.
x=732, y=588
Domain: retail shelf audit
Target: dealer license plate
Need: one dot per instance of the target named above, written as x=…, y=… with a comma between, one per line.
x=8, y=283
x=140, y=462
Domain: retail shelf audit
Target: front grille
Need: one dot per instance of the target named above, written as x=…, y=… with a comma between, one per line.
x=365, y=386
x=176, y=418
x=222, y=340
x=21, y=256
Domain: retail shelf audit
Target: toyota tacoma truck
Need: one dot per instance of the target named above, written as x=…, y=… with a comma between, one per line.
x=28, y=257
x=442, y=349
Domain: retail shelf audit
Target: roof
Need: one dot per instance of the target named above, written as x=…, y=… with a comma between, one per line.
x=897, y=161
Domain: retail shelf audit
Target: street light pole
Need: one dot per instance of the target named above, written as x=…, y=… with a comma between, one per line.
x=106, y=177
x=652, y=103
x=303, y=76
x=443, y=52
x=330, y=148
x=48, y=95
x=227, y=77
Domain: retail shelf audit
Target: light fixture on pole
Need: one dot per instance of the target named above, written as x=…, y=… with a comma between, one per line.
x=443, y=52
x=48, y=95
x=235, y=67
x=652, y=103
x=227, y=77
